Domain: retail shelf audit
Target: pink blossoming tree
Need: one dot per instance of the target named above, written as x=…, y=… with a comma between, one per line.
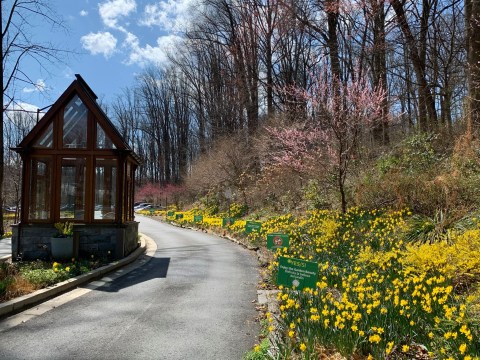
x=156, y=194
x=340, y=112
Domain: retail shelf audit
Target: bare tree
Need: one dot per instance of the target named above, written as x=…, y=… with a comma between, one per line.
x=18, y=46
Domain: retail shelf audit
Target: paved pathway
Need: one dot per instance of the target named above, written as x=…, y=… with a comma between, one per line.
x=5, y=247
x=192, y=300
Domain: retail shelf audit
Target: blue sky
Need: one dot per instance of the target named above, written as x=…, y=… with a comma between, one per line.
x=113, y=40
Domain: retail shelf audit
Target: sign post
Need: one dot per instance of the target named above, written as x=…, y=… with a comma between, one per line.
x=252, y=226
x=227, y=221
x=277, y=241
x=297, y=273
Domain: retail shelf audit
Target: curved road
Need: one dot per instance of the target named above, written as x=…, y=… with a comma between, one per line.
x=192, y=300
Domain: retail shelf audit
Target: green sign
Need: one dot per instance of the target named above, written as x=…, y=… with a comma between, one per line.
x=227, y=222
x=277, y=240
x=152, y=210
x=297, y=273
x=198, y=218
x=170, y=213
x=179, y=216
x=252, y=226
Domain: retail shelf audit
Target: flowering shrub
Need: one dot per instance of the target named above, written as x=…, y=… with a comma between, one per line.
x=238, y=227
x=377, y=296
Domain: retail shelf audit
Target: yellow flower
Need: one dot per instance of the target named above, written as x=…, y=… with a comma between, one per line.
x=389, y=348
x=256, y=348
x=405, y=348
x=375, y=338
x=67, y=269
x=291, y=333
x=462, y=348
x=303, y=347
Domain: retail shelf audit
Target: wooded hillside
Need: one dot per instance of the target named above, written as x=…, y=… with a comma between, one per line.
x=361, y=102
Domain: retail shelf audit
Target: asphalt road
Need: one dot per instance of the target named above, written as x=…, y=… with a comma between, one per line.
x=192, y=300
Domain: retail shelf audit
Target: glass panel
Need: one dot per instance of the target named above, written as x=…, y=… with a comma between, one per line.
x=105, y=188
x=129, y=194
x=40, y=189
x=75, y=124
x=103, y=140
x=46, y=140
x=72, y=189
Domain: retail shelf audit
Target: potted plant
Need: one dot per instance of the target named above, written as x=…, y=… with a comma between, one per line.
x=62, y=242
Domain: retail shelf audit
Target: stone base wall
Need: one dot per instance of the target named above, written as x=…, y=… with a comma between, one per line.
x=32, y=241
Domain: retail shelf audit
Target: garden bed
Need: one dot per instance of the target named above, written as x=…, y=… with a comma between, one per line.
x=22, y=278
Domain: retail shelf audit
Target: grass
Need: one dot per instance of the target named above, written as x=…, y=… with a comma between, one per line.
x=21, y=278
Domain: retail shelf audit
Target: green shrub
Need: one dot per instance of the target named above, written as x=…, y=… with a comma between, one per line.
x=44, y=277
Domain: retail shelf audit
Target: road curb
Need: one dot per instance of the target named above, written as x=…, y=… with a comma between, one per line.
x=38, y=296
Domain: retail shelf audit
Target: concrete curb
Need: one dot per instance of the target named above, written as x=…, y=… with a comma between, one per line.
x=38, y=296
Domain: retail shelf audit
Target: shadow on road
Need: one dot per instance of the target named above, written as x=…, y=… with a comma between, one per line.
x=156, y=268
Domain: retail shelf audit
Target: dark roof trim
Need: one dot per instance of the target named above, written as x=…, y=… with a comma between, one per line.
x=80, y=87
x=86, y=87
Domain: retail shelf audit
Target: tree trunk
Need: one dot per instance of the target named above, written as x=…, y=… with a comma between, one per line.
x=427, y=111
x=379, y=71
x=332, y=10
x=472, y=15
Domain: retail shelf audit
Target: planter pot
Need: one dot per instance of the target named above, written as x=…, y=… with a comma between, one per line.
x=62, y=248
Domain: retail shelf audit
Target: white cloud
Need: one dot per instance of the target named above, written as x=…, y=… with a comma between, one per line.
x=23, y=106
x=150, y=54
x=83, y=13
x=111, y=10
x=38, y=86
x=99, y=43
x=169, y=15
